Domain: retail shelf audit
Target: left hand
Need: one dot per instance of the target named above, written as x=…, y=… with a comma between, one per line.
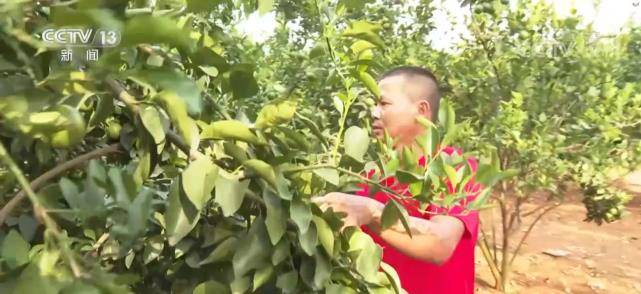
x=360, y=210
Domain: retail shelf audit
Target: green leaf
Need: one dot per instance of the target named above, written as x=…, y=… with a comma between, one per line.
x=201, y=6
x=360, y=46
x=230, y=192
x=370, y=83
x=129, y=259
x=299, y=140
x=308, y=240
x=339, y=289
x=322, y=271
x=416, y=188
x=104, y=109
x=123, y=185
x=154, y=30
x=262, y=275
x=287, y=281
x=391, y=166
x=409, y=159
x=70, y=192
x=28, y=226
x=325, y=235
x=242, y=81
x=365, y=30
x=480, y=198
x=170, y=80
x=282, y=187
x=274, y=114
x=143, y=164
x=328, y=174
x=137, y=214
x=404, y=176
x=263, y=169
x=198, y=181
x=240, y=285
x=211, y=71
x=211, y=287
x=15, y=250
x=451, y=175
x=356, y=142
x=31, y=281
x=175, y=107
x=153, y=248
x=437, y=167
x=253, y=249
x=276, y=219
x=230, y=130
x=181, y=216
x=446, y=118
x=318, y=50
x=301, y=214
x=235, y=151
x=392, y=275
x=281, y=251
x=392, y=213
x=223, y=251
x=151, y=120
x=366, y=254
x=265, y=6
x=99, y=18
x=338, y=104
x=314, y=129
x=207, y=57
x=155, y=60
x=446, y=114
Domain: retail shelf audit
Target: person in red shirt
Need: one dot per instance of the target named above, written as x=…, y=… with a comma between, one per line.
x=439, y=257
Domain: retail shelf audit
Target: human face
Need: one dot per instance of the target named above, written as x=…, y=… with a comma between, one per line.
x=396, y=111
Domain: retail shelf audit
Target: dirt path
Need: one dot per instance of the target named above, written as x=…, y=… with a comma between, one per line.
x=601, y=259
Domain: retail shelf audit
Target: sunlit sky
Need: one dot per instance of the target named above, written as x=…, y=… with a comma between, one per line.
x=608, y=17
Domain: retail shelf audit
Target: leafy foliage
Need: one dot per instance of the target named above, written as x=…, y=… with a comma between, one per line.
x=221, y=142
x=208, y=189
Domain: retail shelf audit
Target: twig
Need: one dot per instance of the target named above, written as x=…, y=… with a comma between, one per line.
x=487, y=254
x=533, y=211
x=514, y=215
x=529, y=229
x=54, y=173
x=349, y=172
x=103, y=238
x=496, y=261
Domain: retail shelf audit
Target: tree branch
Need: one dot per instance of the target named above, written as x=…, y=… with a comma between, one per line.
x=131, y=102
x=54, y=173
x=41, y=214
x=529, y=229
x=487, y=254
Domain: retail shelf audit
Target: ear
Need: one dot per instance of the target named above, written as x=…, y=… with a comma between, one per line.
x=425, y=109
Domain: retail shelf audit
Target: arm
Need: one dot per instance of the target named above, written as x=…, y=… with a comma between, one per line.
x=432, y=240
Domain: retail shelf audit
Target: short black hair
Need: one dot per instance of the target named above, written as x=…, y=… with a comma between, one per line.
x=412, y=71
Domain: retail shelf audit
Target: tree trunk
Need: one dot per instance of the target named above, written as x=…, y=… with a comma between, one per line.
x=505, y=265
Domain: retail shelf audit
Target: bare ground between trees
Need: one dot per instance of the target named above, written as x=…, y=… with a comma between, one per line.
x=600, y=259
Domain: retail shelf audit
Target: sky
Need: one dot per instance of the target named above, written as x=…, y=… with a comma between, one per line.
x=608, y=17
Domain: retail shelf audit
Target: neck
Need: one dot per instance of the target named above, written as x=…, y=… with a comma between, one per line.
x=410, y=143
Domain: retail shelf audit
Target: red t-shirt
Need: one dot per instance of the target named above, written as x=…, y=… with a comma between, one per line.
x=417, y=277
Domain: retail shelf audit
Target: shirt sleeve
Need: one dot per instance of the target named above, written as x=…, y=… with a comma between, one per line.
x=469, y=218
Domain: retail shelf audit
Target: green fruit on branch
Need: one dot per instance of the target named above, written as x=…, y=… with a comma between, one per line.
x=113, y=130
